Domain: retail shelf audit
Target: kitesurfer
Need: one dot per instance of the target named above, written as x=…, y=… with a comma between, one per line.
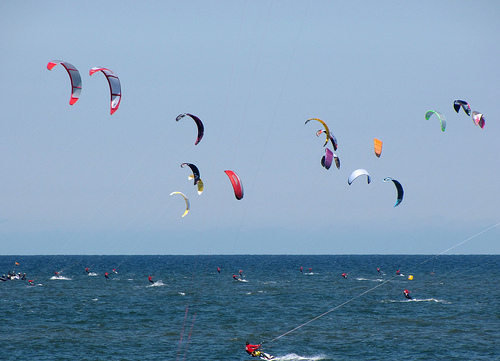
x=106, y=274
x=150, y=279
x=87, y=270
x=407, y=294
x=398, y=272
x=252, y=349
x=345, y=275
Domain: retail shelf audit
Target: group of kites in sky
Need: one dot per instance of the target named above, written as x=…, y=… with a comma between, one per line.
x=116, y=93
x=326, y=161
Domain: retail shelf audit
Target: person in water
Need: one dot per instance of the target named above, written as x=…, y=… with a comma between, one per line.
x=150, y=279
x=407, y=294
x=345, y=275
x=252, y=349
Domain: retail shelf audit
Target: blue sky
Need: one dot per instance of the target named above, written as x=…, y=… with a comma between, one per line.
x=77, y=180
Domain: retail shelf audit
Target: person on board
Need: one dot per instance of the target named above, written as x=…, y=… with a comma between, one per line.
x=378, y=270
x=301, y=269
x=398, y=272
x=310, y=269
x=218, y=269
x=235, y=277
x=252, y=349
x=87, y=270
x=407, y=294
x=114, y=271
x=56, y=273
x=150, y=279
x=345, y=275
x=240, y=273
x=106, y=274
x=31, y=282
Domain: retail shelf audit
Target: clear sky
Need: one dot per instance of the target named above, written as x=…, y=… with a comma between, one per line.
x=77, y=180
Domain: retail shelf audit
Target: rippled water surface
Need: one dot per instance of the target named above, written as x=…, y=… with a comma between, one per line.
x=192, y=312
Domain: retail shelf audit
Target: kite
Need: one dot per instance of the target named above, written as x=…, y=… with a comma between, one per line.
x=235, y=181
x=198, y=122
x=356, y=174
x=74, y=75
x=185, y=198
x=377, y=147
x=327, y=131
x=478, y=119
x=332, y=138
x=194, y=169
x=337, y=160
x=441, y=117
x=114, y=86
x=326, y=160
x=461, y=103
x=399, y=188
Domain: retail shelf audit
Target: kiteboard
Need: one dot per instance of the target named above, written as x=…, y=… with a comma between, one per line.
x=263, y=355
x=266, y=356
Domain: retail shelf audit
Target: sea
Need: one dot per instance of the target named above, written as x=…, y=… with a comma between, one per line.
x=298, y=307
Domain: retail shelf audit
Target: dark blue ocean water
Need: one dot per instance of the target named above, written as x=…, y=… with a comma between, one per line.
x=194, y=313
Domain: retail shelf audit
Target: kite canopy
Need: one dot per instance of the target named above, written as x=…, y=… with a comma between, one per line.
x=332, y=138
x=356, y=174
x=198, y=122
x=235, y=181
x=441, y=117
x=377, y=147
x=200, y=186
x=461, y=103
x=327, y=131
x=337, y=160
x=478, y=119
x=399, y=188
x=185, y=198
x=194, y=169
x=326, y=160
x=74, y=75
x=114, y=86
